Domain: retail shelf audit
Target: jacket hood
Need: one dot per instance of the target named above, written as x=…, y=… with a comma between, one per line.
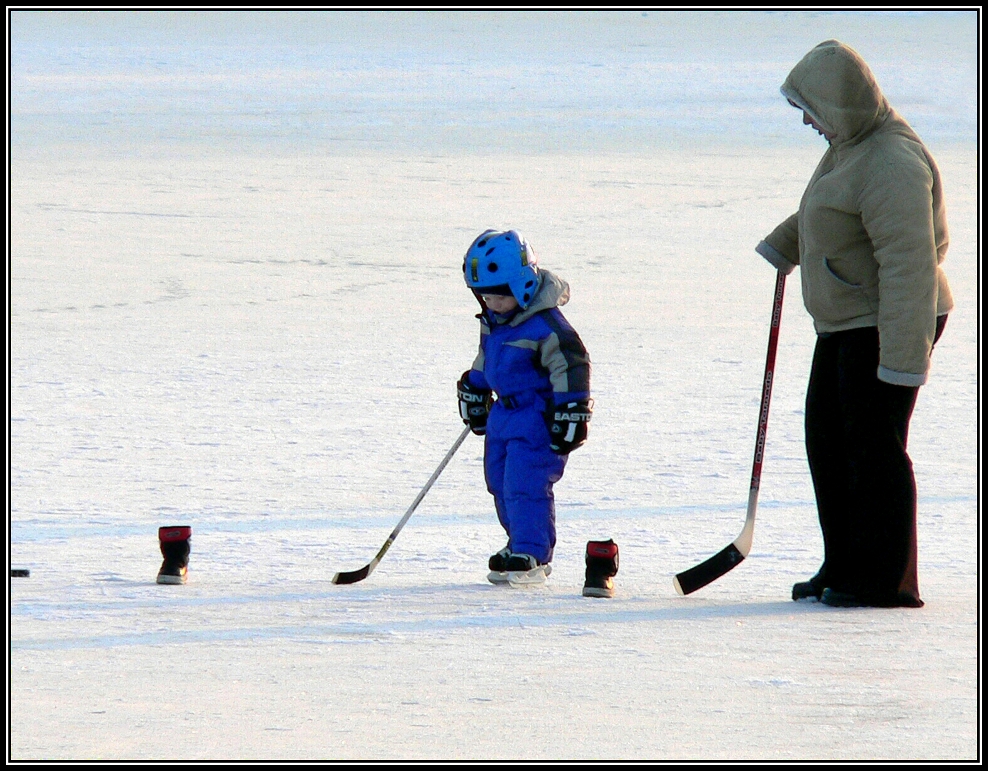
x=835, y=86
x=552, y=293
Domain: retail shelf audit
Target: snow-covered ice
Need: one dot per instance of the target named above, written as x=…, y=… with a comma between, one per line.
x=235, y=302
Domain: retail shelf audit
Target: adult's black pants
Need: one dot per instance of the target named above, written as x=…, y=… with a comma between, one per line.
x=857, y=430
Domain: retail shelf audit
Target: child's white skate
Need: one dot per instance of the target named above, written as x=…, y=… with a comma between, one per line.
x=525, y=570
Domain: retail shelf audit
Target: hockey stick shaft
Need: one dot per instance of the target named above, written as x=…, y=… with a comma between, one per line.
x=728, y=558
x=353, y=576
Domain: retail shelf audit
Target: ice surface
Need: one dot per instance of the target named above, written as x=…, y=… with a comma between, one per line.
x=235, y=302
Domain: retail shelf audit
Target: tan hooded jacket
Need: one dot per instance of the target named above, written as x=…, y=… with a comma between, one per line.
x=871, y=230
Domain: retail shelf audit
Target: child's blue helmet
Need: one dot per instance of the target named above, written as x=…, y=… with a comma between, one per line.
x=502, y=263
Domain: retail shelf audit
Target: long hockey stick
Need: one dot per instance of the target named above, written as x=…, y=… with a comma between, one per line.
x=353, y=576
x=728, y=558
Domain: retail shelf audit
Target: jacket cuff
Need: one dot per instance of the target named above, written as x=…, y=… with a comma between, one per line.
x=476, y=378
x=887, y=375
x=562, y=397
x=775, y=257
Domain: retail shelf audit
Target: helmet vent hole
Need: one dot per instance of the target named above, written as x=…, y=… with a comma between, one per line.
x=527, y=297
x=492, y=267
x=488, y=252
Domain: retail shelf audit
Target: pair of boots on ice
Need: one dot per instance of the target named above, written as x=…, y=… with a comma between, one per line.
x=521, y=569
x=505, y=566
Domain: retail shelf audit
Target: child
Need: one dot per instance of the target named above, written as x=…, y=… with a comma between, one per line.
x=537, y=366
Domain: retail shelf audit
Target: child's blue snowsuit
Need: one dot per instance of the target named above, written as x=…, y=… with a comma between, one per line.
x=532, y=360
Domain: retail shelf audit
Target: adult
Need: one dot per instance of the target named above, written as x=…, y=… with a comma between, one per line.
x=869, y=236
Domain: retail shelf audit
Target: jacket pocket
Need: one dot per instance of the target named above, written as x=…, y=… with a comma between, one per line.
x=836, y=276
x=836, y=301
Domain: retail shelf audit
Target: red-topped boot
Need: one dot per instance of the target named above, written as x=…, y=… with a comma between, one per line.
x=174, y=542
x=602, y=566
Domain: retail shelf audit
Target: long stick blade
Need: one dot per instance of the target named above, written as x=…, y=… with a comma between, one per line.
x=706, y=572
x=352, y=576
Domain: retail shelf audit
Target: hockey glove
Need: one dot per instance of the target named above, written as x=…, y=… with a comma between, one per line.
x=568, y=426
x=475, y=404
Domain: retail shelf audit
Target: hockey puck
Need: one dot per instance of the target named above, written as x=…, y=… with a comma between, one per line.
x=19, y=572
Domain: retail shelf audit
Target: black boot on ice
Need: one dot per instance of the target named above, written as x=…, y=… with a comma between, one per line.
x=812, y=589
x=174, y=542
x=602, y=566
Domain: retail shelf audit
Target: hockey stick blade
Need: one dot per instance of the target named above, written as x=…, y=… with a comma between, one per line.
x=697, y=577
x=353, y=576
x=726, y=559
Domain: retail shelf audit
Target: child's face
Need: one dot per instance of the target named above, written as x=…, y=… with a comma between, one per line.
x=500, y=303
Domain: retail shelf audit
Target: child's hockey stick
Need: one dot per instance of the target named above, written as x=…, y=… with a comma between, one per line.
x=353, y=576
x=725, y=560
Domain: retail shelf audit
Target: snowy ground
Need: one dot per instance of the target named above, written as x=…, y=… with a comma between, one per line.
x=236, y=303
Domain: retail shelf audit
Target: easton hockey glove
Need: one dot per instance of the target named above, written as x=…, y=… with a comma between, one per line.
x=475, y=404
x=568, y=426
